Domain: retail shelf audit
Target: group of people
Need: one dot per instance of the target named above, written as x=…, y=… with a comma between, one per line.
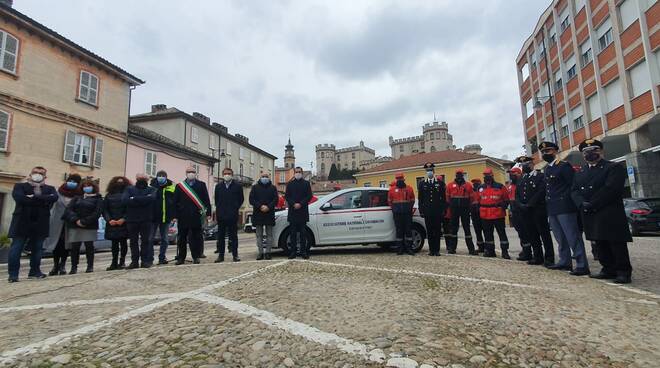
x=65, y=219
x=561, y=199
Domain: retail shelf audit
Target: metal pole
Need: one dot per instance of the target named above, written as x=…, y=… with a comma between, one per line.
x=552, y=104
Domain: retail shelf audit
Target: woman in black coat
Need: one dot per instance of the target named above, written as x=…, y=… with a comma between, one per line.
x=82, y=215
x=263, y=199
x=114, y=213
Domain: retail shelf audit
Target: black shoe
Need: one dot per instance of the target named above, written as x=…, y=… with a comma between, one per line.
x=39, y=276
x=535, y=262
x=11, y=280
x=163, y=262
x=473, y=253
x=260, y=257
x=489, y=254
x=112, y=267
x=121, y=266
x=146, y=265
x=292, y=256
x=480, y=249
x=196, y=261
x=202, y=256
x=179, y=262
x=524, y=257
x=268, y=257
x=452, y=251
x=220, y=259
x=305, y=256
x=399, y=253
x=623, y=279
x=580, y=272
x=560, y=267
x=216, y=251
x=54, y=272
x=89, y=269
x=133, y=266
x=603, y=276
x=74, y=270
x=236, y=259
x=505, y=254
x=548, y=262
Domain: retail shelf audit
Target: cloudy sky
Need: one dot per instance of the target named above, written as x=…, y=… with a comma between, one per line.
x=323, y=71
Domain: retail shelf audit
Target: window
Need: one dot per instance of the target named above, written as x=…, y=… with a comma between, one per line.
x=524, y=71
x=432, y=148
x=89, y=88
x=640, y=80
x=228, y=149
x=241, y=153
x=586, y=54
x=604, y=33
x=194, y=134
x=350, y=200
x=565, y=20
x=563, y=123
x=367, y=184
x=532, y=58
x=545, y=89
x=251, y=157
x=8, y=52
x=5, y=120
x=377, y=198
x=432, y=136
x=150, y=163
x=240, y=169
x=594, y=107
x=541, y=53
x=353, y=155
x=542, y=135
x=579, y=4
x=282, y=177
x=78, y=149
x=322, y=167
x=533, y=143
x=558, y=82
x=401, y=148
x=614, y=95
x=383, y=184
x=196, y=167
x=212, y=142
x=529, y=108
x=576, y=115
x=553, y=36
x=353, y=165
x=570, y=65
x=629, y=13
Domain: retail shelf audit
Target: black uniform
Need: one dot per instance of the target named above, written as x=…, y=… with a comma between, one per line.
x=190, y=220
x=598, y=192
x=432, y=204
x=516, y=218
x=298, y=191
x=530, y=195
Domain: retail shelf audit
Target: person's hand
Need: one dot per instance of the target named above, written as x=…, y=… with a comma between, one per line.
x=264, y=208
x=209, y=218
x=79, y=223
x=174, y=221
x=297, y=206
x=112, y=222
x=120, y=222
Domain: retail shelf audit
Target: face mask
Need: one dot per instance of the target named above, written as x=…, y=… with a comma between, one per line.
x=298, y=176
x=227, y=177
x=88, y=190
x=191, y=176
x=161, y=180
x=264, y=181
x=591, y=156
x=460, y=179
x=71, y=185
x=429, y=174
x=488, y=179
x=400, y=183
x=37, y=178
x=527, y=169
x=548, y=157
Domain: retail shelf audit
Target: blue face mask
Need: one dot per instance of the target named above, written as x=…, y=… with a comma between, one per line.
x=429, y=174
x=264, y=181
x=161, y=180
x=71, y=185
x=88, y=190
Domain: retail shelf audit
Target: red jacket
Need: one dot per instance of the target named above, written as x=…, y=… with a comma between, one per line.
x=512, y=192
x=459, y=195
x=402, y=200
x=493, y=200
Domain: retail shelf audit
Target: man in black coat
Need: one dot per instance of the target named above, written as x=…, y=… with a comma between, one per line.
x=598, y=193
x=192, y=209
x=228, y=200
x=298, y=194
x=30, y=222
x=163, y=212
x=139, y=200
x=263, y=199
x=432, y=205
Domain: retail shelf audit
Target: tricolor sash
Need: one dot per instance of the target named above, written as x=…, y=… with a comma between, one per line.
x=188, y=190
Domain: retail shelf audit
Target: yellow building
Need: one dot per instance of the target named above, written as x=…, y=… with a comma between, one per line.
x=61, y=107
x=446, y=163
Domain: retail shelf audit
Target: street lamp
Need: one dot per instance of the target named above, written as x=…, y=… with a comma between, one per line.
x=537, y=103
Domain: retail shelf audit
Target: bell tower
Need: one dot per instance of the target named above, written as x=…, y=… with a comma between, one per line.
x=289, y=156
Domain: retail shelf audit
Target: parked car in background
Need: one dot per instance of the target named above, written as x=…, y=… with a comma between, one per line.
x=211, y=231
x=643, y=214
x=172, y=234
x=248, y=227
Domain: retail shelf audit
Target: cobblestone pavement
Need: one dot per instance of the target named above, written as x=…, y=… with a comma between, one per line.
x=346, y=307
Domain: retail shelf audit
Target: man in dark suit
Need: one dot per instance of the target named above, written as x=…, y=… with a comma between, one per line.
x=228, y=200
x=432, y=204
x=598, y=193
x=192, y=209
x=30, y=222
x=562, y=213
x=298, y=194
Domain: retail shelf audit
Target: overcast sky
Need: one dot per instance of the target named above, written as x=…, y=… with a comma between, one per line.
x=323, y=71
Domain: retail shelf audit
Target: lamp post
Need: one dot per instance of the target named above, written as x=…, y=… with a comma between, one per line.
x=537, y=103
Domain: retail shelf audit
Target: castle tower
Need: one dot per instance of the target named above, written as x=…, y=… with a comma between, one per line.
x=289, y=156
x=325, y=157
x=437, y=137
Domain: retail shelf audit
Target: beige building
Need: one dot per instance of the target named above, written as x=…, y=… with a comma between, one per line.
x=197, y=132
x=435, y=137
x=61, y=107
x=350, y=158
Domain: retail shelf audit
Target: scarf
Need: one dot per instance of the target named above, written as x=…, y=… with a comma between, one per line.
x=64, y=191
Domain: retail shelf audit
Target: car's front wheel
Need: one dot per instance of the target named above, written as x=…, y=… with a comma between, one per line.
x=418, y=238
x=285, y=240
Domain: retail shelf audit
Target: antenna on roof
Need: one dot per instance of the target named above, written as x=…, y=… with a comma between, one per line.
x=434, y=118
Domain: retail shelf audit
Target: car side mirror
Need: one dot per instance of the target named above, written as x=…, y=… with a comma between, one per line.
x=326, y=206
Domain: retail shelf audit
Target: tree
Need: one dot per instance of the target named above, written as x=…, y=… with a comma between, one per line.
x=333, y=174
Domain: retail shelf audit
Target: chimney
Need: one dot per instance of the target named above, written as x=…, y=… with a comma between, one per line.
x=154, y=108
x=8, y=3
x=202, y=117
x=221, y=127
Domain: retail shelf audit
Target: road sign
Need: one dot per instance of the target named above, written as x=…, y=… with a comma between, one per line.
x=631, y=174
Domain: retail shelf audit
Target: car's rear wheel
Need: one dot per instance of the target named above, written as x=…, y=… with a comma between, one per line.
x=285, y=240
x=633, y=229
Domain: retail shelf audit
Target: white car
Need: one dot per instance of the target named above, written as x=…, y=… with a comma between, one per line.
x=350, y=216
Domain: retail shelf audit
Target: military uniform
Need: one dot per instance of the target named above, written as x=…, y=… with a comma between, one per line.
x=517, y=215
x=598, y=192
x=562, y=214
x=432, y=203
x=531, y=196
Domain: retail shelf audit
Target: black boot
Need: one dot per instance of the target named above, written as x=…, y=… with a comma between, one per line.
x=115, y=255
x=489, y=251
x=480, y=247
x=56, y=266
x=526, y=254
x=75, y=258
x=505, y=252
x=89, y=254
x=470, y=246
x=537, y=256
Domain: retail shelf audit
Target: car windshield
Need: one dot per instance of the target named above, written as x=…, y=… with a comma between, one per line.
x=652, y=203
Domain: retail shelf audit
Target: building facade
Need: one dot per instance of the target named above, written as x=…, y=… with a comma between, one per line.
x=590, y=70
x=197, y=132
x=446, y=163
x=349, y=158
x=61, y=107
x=435, y=137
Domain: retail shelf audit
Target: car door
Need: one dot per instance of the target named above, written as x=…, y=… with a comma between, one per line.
x=379, y=220
x=341, y=219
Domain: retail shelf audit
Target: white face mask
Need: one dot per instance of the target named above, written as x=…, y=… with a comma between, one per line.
x=227, y=177
x=298, y=176
x=191, y=176
x=37, y=178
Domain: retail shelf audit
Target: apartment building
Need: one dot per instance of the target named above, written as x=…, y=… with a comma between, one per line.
x=61, y=106
x=590, y=70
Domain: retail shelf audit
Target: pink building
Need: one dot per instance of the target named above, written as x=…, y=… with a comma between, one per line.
x=149, y=152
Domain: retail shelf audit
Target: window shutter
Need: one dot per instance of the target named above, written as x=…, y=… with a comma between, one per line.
x=8, y=51
x=93, y=89
x=69, y=145
x=98, y=152
x=154, y=164
x=4, y=130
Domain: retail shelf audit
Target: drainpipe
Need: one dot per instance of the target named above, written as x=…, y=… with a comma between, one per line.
x=130, y=96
